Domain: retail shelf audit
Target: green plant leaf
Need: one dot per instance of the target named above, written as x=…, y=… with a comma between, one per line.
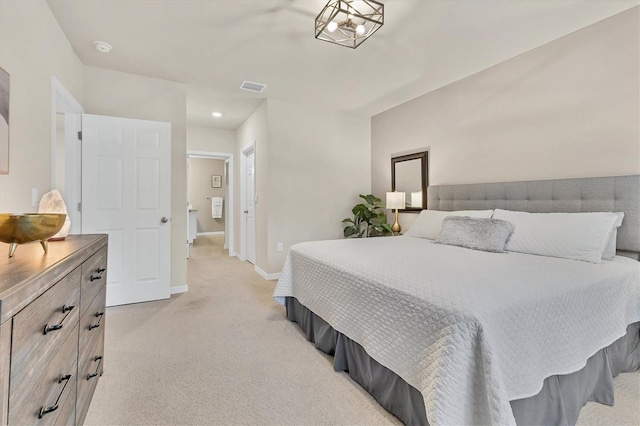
x=360, y=210
x=349, y=231
x=368, y=219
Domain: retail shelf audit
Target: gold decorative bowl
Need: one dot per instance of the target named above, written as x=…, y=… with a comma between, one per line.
x=24, y=228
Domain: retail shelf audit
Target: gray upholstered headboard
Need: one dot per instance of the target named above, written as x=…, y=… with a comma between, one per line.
x=609, y=194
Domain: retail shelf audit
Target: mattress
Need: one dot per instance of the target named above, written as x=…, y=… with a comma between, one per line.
x=470, y=330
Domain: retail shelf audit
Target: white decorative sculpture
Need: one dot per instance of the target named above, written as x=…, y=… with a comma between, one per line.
x=52, y=202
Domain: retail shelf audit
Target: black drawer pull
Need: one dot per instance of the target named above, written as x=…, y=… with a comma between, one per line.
x=98, y=315
x=92, y=375
x=99, y=276
x=46, y=410
x=65, y=310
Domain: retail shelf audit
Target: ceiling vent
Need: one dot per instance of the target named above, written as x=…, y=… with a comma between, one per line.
x=253, y=87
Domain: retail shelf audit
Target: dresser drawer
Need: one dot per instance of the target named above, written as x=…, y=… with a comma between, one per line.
x=41, y=403
x=90, y=368
x=32, y=349
x=94, y=276
x=67, y=415
x=92, y=322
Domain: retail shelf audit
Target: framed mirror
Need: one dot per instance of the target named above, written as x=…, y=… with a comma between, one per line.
x=409, y=174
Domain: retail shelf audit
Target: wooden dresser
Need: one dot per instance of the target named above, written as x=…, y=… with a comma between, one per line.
x=52, y=317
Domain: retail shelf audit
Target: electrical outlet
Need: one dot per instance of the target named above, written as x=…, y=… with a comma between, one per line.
x=280, y=247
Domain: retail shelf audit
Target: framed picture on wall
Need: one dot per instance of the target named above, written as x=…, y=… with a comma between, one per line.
x=4, y=122
x=216, y=181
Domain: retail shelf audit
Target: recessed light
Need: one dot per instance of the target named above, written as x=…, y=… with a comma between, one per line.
x=102, y=47
x=216, y=114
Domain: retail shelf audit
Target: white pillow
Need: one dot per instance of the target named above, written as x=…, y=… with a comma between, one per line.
x=610, y=249
x=429, y=223
x=580, y=236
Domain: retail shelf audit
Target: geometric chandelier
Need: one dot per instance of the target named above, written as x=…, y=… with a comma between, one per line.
x=349, y=22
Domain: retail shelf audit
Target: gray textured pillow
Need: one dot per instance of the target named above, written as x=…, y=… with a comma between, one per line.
x=477, y=234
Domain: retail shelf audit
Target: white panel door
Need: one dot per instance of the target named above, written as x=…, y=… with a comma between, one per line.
x=126, y=193
x=251, y=209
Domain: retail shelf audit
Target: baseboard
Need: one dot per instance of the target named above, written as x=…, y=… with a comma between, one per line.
x=234, y=254
x=210, y=233
x=179, y=289
x=268, y=277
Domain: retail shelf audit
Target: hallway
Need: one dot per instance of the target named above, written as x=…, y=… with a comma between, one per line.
x=208, y=246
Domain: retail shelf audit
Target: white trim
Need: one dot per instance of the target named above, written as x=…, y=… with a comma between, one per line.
x=209, y=155
x=234, y=254
x=68, y=104
x=62, y=101
x=268, y=277
x=210, y=233
x=246, y=150
x=179, y=289
x=230, y=202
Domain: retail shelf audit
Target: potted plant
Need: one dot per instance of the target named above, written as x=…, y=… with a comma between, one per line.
x=369, y=220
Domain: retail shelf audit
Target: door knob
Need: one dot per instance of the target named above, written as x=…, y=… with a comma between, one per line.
x=246, y=211
x=164, y=220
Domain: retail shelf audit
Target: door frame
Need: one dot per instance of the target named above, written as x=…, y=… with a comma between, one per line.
x=63, y=101
x=248, y=149
x=229, y=204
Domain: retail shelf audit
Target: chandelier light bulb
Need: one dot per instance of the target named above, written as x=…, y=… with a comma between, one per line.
x=216, y=114
x=348, y=23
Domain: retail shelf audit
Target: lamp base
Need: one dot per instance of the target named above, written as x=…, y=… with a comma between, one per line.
x=396, y=226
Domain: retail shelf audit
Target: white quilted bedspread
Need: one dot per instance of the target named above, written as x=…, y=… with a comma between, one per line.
x=470, y=330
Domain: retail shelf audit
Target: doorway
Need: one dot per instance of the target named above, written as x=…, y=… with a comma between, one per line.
x=66, y=151
x=210, y=204
x=248, y=201
x=115, y=182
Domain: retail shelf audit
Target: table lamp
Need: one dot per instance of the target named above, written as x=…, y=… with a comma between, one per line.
x=395, y=200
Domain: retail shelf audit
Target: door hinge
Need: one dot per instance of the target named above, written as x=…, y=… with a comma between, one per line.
x=79, y=207
x=80, y=135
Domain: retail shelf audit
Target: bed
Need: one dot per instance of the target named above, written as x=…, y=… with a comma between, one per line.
x=446, y=335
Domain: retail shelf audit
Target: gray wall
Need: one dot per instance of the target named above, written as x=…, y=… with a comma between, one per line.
x=200, y=172
x=566, y=109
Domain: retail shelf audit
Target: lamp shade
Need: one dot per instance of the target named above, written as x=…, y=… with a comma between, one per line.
x=395, y=200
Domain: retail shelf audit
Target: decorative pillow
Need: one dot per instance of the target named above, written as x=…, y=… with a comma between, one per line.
x=580, y=236
x=474, y=233
x=610, y=249
x=429, y=223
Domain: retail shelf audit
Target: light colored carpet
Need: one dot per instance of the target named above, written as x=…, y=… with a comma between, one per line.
x=224, y=354
x=208, y=246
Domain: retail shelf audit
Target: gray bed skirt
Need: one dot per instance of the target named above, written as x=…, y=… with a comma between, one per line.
x=558, y=403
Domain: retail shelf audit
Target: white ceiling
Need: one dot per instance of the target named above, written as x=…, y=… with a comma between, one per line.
x=214, y=45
